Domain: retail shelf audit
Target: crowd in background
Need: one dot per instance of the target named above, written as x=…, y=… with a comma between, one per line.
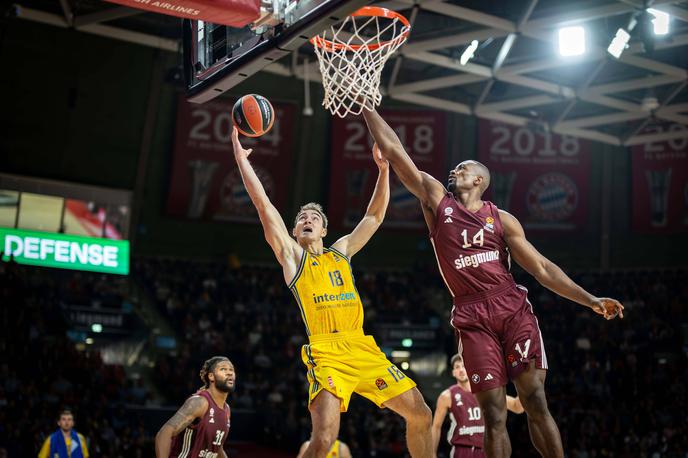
x=616, y=388
x=43, y=371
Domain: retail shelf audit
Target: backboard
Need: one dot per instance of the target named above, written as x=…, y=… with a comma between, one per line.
x=218, y=57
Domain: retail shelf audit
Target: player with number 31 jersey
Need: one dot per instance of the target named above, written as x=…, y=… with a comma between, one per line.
x=199, y=428
x=496, y=329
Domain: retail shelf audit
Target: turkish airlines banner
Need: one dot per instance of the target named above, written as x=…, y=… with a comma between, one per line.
x=205, y=183
x=539, y=177
x=354, y=173
x=660, y=183
x=234, y=13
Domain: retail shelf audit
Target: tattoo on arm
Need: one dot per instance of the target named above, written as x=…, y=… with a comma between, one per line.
x=192, y=409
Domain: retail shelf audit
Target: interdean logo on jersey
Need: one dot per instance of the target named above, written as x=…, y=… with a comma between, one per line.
x=348, y=296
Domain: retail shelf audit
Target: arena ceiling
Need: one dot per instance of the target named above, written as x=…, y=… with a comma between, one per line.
x=516, y=76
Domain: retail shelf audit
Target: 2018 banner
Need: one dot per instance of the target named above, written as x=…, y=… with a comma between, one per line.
x=354, y=173
x=205, y=182
x=660, y=183
x=539, y=177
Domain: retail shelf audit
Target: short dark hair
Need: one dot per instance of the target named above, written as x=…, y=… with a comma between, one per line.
x=64, y=412
x=209, y=366
x=315, y=207
x=456, y=358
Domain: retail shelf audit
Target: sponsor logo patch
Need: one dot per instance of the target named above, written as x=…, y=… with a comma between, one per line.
x=489, y=376
x=381, y=384
x=475, y=378
x=330, y=381
x=448, y=220
x=448, y=211
x=489, y=224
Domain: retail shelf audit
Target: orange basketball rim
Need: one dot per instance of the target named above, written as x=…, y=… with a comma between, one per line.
x=368, y=11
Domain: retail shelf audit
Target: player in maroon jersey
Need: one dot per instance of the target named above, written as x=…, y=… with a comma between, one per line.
x=467, y=428
x=204, y=418
x=496, y=329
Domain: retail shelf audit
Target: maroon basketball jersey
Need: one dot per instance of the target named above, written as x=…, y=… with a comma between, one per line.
x=206, y=436
x=470, y=248
x=467, y=427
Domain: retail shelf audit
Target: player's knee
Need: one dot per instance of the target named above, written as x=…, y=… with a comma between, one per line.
x=535, y=404
x=421, y=415
x=495, y=416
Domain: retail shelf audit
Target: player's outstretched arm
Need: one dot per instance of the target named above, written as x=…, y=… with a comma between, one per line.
x=441, y=409
x=549, y=274
x=513, y=404
x=285, y=248
x=193, y=408
x=375, y=214
x=426, y=188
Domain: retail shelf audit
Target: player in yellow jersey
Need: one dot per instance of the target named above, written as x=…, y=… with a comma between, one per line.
x=340, y=359
x=338, y=450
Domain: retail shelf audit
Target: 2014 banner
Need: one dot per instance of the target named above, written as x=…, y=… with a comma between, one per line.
x=539, y=177
x=353, y=172
x=205, y=182
x=660, y=183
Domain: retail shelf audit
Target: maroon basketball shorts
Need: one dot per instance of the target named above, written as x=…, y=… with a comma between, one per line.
x=467, y=452
x=498, y=335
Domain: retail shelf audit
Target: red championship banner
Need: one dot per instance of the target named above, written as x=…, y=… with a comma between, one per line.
x=660, y=183
x=539, y=177
x=205, y=181
x=354, y=173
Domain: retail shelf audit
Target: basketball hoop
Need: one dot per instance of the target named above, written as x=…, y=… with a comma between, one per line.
x=352, y=55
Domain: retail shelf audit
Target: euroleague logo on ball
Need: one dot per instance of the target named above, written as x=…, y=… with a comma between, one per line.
x=552, y=197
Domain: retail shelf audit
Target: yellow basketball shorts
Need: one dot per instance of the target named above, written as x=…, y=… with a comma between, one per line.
x=351, y=362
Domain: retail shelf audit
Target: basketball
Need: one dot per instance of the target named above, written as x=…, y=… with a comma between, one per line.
x=253, y=115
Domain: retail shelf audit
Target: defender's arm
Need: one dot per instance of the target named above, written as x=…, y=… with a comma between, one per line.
x=285, y=248
x=193, y=408
x=426, y=188
x=514, y=404
x=441, y=409
x=375, y=214
x=549, y=274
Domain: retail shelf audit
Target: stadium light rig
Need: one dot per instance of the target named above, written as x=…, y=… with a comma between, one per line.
x=571, y=41
x=660, y=23
x=469, y=52
x=619, y=43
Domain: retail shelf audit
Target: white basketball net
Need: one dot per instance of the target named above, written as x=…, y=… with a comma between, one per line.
x=352, y=55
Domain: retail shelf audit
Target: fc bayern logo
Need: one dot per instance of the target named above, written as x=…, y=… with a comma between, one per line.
x=552, y=197
x=234, y=198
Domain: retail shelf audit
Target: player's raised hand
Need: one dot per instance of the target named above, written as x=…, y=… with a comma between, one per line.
x=607, y=307
x=239, y=151
x=381, y=162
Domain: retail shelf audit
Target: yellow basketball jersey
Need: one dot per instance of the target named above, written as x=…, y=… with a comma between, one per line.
x=325, y=291
x=334, y=451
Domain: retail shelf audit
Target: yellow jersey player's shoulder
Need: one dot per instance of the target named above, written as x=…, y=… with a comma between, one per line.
x=336, y=252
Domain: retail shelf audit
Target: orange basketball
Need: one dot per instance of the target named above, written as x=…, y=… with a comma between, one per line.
x=253, y=115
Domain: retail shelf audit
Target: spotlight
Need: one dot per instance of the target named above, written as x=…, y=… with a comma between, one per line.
x=571, y=41
x=660, y=24
x=469, y=52
x=619, y=43
x=405, y=365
